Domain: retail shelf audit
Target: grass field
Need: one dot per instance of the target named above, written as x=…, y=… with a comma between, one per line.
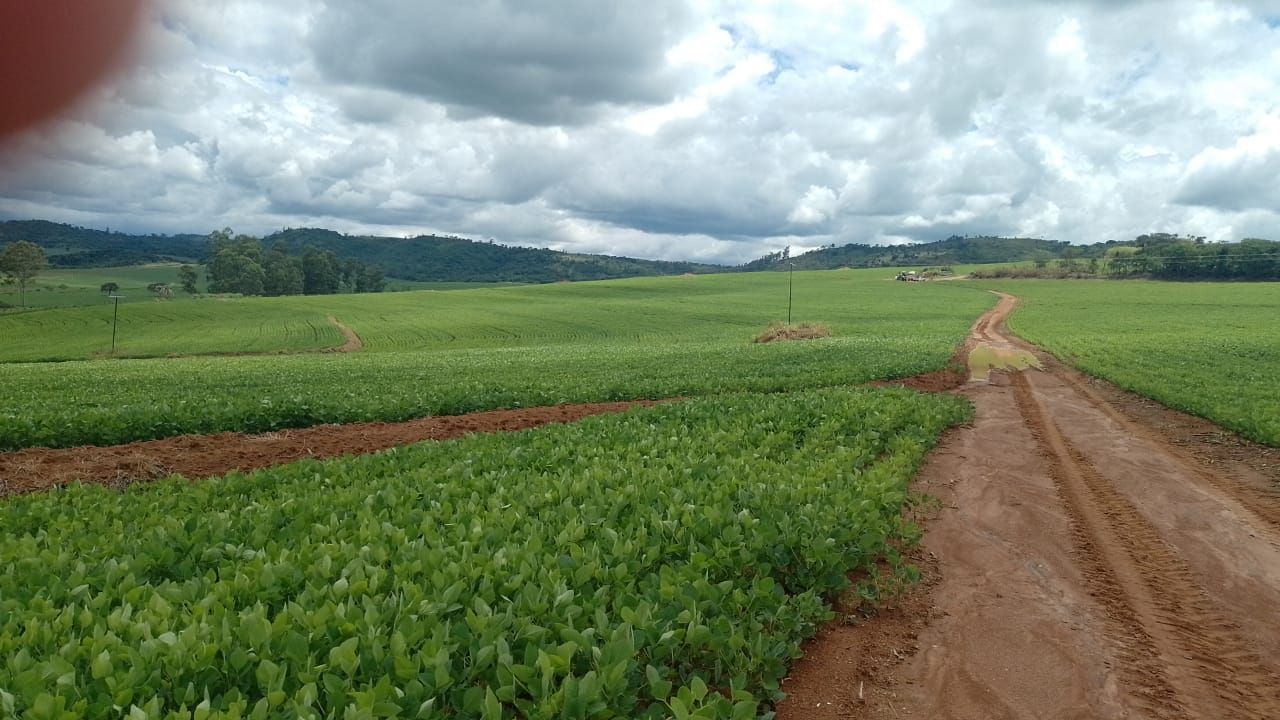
x=1210, y=349
x=60, y=288
x=397, y=285
x=431, y=353
x=56, y=288
x=494, y=576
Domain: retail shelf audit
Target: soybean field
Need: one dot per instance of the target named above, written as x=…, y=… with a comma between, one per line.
x=524, y=575
x=431, y=353
x=1211, y=349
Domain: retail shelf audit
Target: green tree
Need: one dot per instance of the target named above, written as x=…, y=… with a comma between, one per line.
x=235, y=265
x=321, y=272
x=1069, y=255
x=246, y=245
x=348, y=271
x=231, y=272
x=109, y=288
x=187, y=278
x=370, y=280
x=21, y=262
x=283, y=274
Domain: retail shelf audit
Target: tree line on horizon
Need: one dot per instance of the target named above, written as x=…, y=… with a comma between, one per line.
x=333, y=262
x=1157, y=256
x=240, y=264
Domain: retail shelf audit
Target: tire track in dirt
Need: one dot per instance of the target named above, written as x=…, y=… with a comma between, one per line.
x=1172, y=637
x=1092, y=564
x=987, y=327
x=1263, y=505
x=1140, y=662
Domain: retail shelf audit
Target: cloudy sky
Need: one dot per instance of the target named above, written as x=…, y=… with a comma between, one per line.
x=712, y=130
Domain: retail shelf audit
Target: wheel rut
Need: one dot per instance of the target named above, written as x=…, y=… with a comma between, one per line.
x=1095, y=559
x=1176, y=648
x=1262, y=504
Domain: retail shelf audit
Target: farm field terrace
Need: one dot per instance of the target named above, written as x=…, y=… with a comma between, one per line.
x=493, y=576
x=464, y=351
x=1210, y=349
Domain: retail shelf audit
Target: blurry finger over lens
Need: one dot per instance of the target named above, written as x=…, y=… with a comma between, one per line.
x=53, y=51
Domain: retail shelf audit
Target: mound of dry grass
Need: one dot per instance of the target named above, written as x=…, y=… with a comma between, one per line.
x=779, y=332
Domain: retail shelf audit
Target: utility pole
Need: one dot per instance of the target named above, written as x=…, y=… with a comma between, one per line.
x=115, y=317
x=791, y=274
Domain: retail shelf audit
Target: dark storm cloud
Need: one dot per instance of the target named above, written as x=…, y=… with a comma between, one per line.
x=554, y=62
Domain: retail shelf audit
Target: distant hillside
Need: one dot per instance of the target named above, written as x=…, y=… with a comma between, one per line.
x=955, y=250
x=431, y=258
x=69, y=246
x=425, y=258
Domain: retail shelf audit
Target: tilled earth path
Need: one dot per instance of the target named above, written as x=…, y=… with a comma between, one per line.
x=1094, y=558
x=202, y=456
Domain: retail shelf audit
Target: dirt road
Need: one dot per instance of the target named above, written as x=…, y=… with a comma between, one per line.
x=1095, y=559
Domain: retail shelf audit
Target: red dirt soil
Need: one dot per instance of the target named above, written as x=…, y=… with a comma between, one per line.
x=1098, y=556
x=201, y=456
x=351, y=341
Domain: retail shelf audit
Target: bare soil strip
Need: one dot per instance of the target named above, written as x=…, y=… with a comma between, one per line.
x=202, y=456
x=1099, y=556
x=1257, y=497
x=352, y=341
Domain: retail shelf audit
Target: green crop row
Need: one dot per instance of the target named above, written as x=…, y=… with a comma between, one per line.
x=156, y=328
x=730, y=308
x=1209, y=349
x=662, y=563
x=68, y=404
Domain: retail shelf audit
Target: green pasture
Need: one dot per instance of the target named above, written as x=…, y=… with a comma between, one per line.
x=56, y=288
x=59, y=287
x=1211, y=349
x=432, y=353
x=397, y=285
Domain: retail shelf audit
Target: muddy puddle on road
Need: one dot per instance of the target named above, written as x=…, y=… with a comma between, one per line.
x=986, y=357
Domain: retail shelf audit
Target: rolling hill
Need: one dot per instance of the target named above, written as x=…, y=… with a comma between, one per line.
x=427, y=258
x=955, y=250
